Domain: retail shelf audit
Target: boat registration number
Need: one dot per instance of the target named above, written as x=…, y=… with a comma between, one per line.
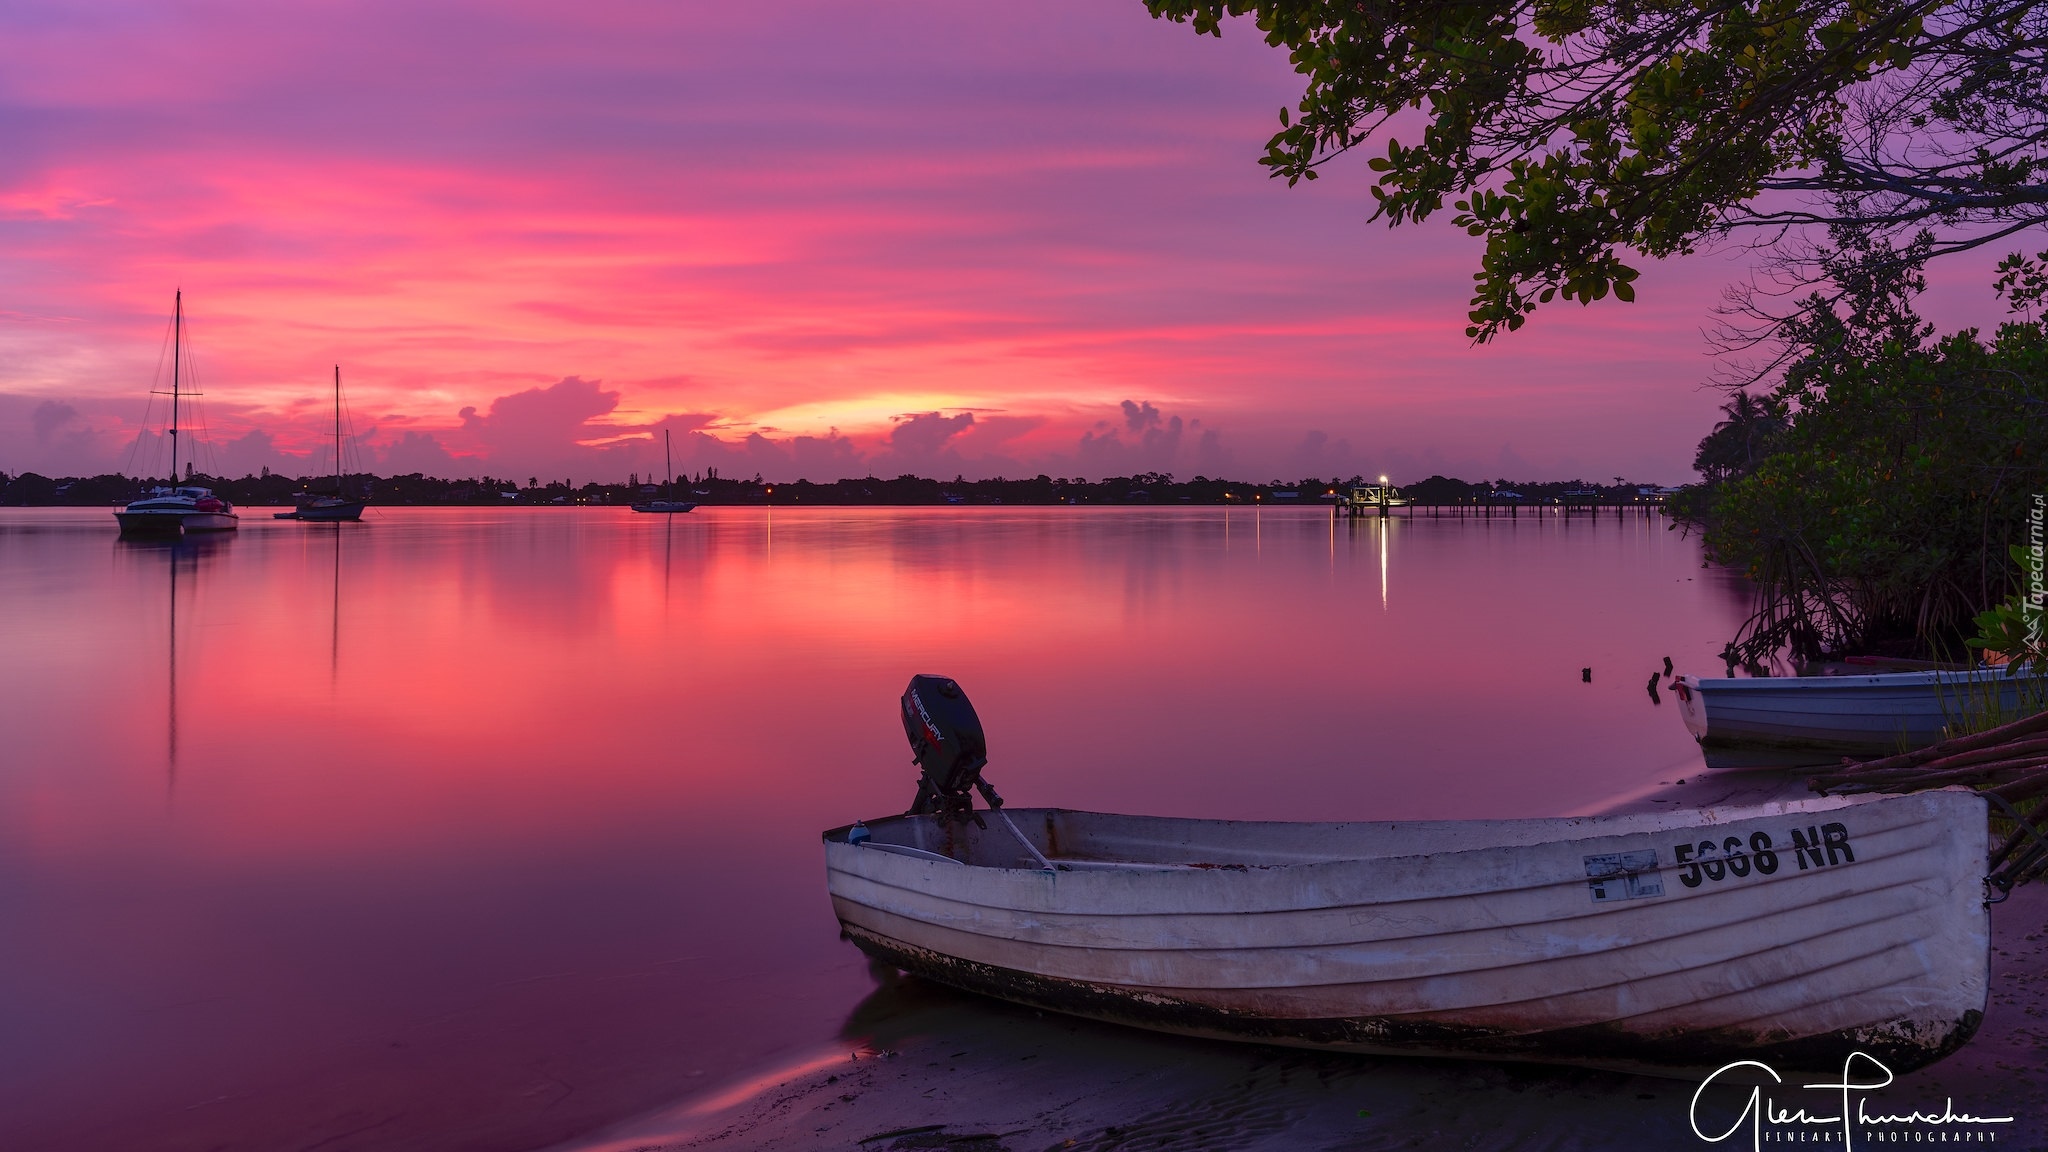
x=1630, y=875
x=1711, y=861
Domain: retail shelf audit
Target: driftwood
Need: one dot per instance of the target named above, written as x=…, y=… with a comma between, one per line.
x=2009, y=764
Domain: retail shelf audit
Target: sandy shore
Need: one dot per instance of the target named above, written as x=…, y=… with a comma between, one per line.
x=921, y=1067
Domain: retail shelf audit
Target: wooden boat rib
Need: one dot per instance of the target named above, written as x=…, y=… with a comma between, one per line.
x=1476, y=938
x=1444, y=947
x=1387, y=989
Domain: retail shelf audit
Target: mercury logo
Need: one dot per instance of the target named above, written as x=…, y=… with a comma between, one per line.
x=930, y=729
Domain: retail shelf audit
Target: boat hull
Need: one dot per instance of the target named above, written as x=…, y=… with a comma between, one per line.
x=1887, y=712
x=670, y=507
x=151, y=523
x=175, y=523
x=1449, y=946
x=341, y=510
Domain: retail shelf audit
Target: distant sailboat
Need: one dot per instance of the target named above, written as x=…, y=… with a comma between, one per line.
x=176, y=510
x=668, y=502
x=335, y=505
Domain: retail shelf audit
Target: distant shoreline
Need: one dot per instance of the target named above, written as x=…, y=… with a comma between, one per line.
x=29, y=489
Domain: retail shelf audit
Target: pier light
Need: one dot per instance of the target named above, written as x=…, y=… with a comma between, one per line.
x=1383, y=479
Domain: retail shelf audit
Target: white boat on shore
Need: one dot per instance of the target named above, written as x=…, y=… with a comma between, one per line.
x=1670, y=943
x=1880, y=712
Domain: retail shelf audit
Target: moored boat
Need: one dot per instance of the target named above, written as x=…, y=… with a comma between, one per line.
x=1671, y=943
x=178, y=509
x=329, y=506
x=667, y=503
x=175, y=511
x=1881, y=712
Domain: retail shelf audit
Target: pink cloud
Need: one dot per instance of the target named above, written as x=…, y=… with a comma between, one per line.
x=769, y=231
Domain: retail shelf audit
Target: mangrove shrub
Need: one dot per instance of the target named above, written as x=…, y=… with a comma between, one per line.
x=1884, y=517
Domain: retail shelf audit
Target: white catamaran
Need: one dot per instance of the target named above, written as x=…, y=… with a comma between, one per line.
x=178, y=509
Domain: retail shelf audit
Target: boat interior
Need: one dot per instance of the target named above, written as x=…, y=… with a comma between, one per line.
x=950, y=748
x=1069, y=840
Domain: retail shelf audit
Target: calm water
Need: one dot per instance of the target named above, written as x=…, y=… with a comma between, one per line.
x=485, y=829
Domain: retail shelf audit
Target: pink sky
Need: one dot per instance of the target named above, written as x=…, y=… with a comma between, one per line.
x=811, y=239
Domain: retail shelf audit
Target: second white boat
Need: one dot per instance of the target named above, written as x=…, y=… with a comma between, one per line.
x=1882, y=712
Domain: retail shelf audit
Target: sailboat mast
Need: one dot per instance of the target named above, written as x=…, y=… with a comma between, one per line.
x=337, y=430
x=668, y=464
x=177, y=358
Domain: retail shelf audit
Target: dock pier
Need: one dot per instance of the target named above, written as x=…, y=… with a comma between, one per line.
x=1379, y=501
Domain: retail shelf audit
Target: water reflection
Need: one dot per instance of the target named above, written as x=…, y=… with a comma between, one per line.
x=1104, y=1087
x=334, y=613
x=176, y=555
x=557, y=826
x=1804, y=761
x=1384, y=528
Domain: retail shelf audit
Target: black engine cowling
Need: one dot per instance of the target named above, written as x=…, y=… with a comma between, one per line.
x=948, y=746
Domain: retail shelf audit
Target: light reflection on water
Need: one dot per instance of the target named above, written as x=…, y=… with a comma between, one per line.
x=489, y=827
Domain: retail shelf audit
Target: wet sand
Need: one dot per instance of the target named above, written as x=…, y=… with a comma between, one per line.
x=923, y=1067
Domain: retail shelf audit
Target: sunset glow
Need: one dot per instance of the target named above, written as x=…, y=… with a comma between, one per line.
x=818, y=241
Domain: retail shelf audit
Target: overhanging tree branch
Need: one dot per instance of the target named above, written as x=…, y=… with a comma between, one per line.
x=1577, y=135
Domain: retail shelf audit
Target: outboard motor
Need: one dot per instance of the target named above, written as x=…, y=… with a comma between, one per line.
x=947, y=744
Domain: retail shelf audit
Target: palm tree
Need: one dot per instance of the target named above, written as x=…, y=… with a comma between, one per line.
x=1737, y=443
